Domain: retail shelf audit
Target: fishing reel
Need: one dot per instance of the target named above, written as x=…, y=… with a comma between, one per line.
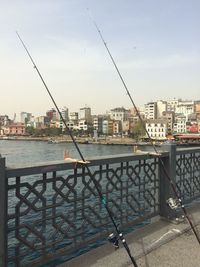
x=114, y=239
x=173, y=203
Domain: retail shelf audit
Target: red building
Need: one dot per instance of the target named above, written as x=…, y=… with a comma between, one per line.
x=192, y=127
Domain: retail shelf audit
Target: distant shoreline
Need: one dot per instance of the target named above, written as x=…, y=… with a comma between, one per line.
x=90, y=141
x=80, y=140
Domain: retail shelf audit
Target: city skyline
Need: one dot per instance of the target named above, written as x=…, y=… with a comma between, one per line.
x=155, y=45
x=162, y=118
x=105, y=112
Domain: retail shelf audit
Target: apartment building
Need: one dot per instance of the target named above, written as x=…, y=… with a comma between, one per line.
x=151, y=110
x=161, y=107
x=41, y=122
x=51, y=114
x=98, y=123
x=180, y=124
x=119, y=114
x=85, y=114
x=185, y=107
x=125, y=127
x=157, y=129
x=25, y=117
x=197, y=107
x=82, y=125
x=73, y=117
x=117, y=127
x=169, y=117
x=107, y=127
x=172, y=104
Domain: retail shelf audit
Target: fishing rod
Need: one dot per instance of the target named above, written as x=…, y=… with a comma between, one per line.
x=112, y=238
x=171, y=182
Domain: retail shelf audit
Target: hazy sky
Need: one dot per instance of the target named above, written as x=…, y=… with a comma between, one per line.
x=156, y=45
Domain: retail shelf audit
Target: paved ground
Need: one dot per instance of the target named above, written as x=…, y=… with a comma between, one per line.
x=161, y=244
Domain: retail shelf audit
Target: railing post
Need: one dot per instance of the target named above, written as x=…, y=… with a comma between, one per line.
x=166, y=191
x=3, y=213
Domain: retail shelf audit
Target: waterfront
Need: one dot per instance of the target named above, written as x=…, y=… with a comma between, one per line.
x=19, y=153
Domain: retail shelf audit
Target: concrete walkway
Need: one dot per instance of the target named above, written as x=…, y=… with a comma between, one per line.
x=161, y=244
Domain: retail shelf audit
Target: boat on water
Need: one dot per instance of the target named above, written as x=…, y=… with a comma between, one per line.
x=52, y=141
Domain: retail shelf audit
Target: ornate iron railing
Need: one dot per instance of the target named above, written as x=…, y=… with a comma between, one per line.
x=54, y=209
x=188, y=173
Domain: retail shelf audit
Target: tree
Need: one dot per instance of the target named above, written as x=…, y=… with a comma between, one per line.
x=30, y=130
x=43, y=131
x=138, y=131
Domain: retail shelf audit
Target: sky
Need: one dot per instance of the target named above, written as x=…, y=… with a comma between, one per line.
x=156, y=46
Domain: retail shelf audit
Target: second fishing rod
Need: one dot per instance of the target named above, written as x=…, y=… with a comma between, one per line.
x=171, y=182
x=102, y=198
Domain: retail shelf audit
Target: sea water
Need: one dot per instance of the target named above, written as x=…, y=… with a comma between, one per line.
x=19, y=153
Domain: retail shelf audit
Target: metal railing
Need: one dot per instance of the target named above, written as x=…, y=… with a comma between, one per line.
x=54, y=209
x=188, y=173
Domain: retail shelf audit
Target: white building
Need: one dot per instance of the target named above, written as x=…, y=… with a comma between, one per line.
x=119, y=114
x=151, y=110
x=98, y=123
x=73, y=116
x=25, y=117
x=31, y=122
x=65, y=115
x=172, y=104
x=157, y=129
x=70, y=125
x=105, y=125
x=185, y=107
x=85, y=114
x=82, y=125
x=161, y=107
x=180, y=124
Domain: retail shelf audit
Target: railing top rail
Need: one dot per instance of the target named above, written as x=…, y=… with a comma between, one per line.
x=184, y=150
x=12, y=171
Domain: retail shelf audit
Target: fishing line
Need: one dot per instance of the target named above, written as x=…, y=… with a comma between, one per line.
x=173, y=185
x=102, y=198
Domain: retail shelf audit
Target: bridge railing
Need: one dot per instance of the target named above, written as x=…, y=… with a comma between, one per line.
x=188, y=173
x=53, y=209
